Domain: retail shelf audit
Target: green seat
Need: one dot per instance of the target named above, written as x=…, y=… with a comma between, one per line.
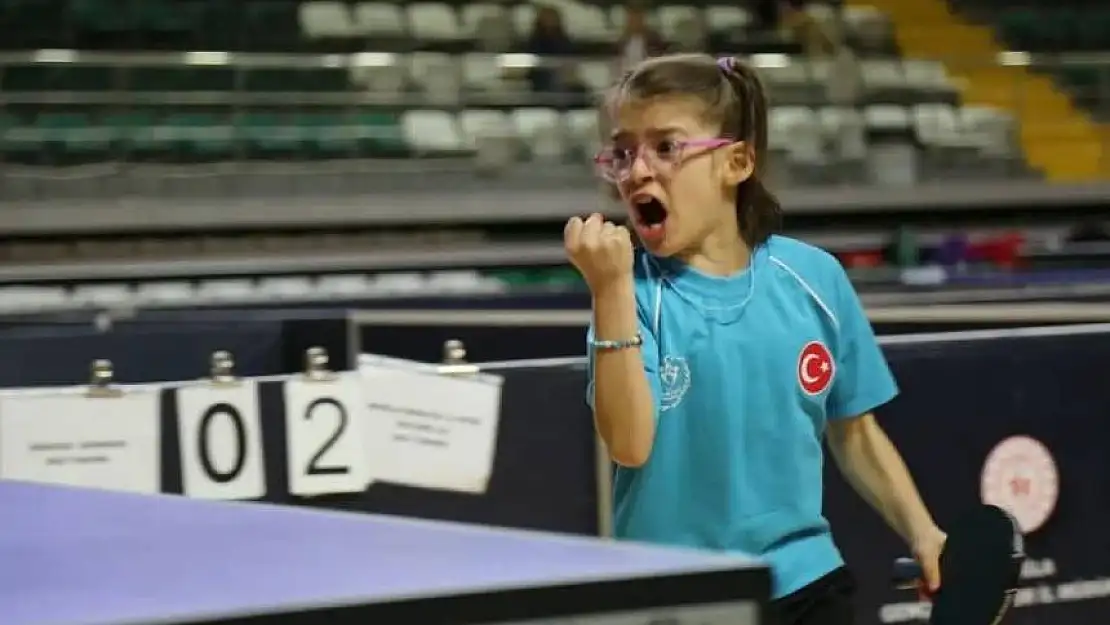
x=168, y=17
x=181, y=78
x=178, y=136
x=1081, y=78
x=40, y=77
x=1052, y=29
x=106, y=16
x=1093, y=29
x=75, y=134
x=135, y=132
x=206, y=137
x=329, y=79
x=57, y=77
x=295, y=79
x=9, y=124
x=212, y=78
x=223, y=24
x=331, y=136
x=24, y=142
x=159, y=78
x=382, y=132
x=149, y=136
x=268, y=79
x=86, y=78
x=1021, y=29
x=271, y=21
x=26, y=77
x=33, y=24
x=20, y=138
x=270, y=134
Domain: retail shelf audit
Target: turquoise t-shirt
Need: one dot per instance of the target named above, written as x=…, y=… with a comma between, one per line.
x=746, y=372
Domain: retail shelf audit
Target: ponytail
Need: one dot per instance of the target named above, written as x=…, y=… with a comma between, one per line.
x=758, y=211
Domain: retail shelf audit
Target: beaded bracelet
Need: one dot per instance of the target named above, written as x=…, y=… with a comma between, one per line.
x=635, y=341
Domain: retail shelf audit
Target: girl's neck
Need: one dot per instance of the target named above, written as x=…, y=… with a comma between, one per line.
x=722, y=253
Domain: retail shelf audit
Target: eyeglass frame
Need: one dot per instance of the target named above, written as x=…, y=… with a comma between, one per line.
x=601, y=169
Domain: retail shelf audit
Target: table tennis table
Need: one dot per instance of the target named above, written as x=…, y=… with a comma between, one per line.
x=72, y=556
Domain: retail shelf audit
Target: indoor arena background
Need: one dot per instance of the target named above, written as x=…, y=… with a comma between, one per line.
x=179, y=177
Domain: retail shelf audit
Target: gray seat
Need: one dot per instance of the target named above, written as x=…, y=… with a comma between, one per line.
x=433, y=133
x=381, y=75
x=541, y=134
x=845, y=137
x=892, y=158
x=799, y=136
x=437, y=77
x=948, y=151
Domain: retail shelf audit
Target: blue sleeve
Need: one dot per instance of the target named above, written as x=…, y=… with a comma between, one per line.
x=863, y=379
x=649, y=351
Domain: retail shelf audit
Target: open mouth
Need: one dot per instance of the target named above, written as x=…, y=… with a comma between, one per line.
x=650, y=212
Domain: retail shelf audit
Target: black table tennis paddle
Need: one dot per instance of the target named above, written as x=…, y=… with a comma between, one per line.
x=980, y=567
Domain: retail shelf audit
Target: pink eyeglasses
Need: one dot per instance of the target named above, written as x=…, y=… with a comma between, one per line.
x=614, y=164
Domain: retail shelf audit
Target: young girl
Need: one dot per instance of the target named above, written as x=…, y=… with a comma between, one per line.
x=722, y=354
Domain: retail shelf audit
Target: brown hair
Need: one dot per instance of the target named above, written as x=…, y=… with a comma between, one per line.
x=735, y=98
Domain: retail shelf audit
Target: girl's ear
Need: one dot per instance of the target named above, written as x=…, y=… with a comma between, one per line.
x=739, y=163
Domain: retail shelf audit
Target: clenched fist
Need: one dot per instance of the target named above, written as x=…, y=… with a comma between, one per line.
x=601, y=251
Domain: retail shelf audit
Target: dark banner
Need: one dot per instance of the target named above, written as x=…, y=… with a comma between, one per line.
x=164, y=346
x=961, y=400
x=61, y=355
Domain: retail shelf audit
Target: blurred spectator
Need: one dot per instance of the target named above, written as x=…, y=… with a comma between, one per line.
x=549, y=36
x=638, y=41
x=765, y=15
x=690, y=34
x=799, y=25
x=845, y=81
x=1090, y=232
x=557, y=74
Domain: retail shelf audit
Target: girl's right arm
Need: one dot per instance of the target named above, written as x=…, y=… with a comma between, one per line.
x=624, y=408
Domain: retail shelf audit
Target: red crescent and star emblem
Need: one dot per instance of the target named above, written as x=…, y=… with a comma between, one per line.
x=815, y=368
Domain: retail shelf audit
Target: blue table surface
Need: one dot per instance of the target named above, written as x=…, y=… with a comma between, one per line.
x=72, y=556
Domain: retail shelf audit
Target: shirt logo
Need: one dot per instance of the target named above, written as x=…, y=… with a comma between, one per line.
x=815, y=368
x=675, y=377
x=1020, y=477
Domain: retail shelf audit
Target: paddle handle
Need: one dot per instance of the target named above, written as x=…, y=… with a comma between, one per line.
x=906, y=574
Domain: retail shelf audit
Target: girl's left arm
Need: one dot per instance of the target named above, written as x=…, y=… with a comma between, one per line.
x=860, y=447
x=874, y=468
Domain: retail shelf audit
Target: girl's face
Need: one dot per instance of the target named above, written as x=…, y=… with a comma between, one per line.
x=677, y=176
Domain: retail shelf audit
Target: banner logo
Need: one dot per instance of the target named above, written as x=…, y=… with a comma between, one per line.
x=815, y=368
x=1020, y=477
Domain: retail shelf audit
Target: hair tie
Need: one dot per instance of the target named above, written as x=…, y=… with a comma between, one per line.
x=727, y=64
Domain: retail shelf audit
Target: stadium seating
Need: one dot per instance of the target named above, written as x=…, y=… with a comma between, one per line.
x=1072, y=26
x=315, y=80
x=994, y=51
